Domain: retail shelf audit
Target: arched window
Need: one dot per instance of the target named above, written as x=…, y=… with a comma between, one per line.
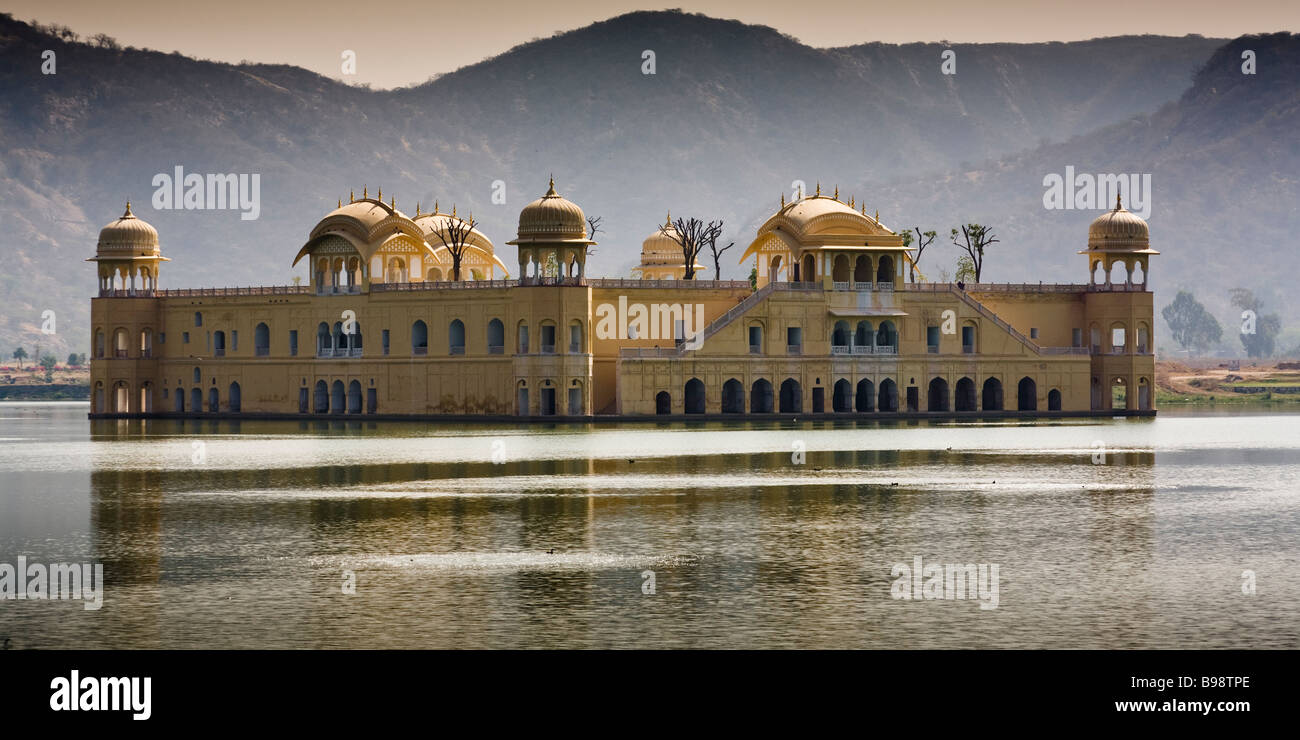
x=938, y=396
x=1118, y=338
x=862, y=270
x=146, y=343
x=840, y=338
x=840, y=269
x=262, y=340
x=321, y=398
x=842, y=397
x=888, y=397
x=324, y=343
x=99, y=344
x=522, y=334
x=197, y=376
x=121, y=343
x=419, y=338
x=496, y=337
x=865, y=399
x=576, y=345
x=234, y=397
x=885, y=272
x=663, y=403
x=1143, y=339
x=337, y=398
x=435, y=275
x=965, y=397
x=1027, y=395
x=992, y=395
x=809, y=270
x=887, y=338
x=791, y=396
x=760, y=397
x=219, y=343
x=214, y=400
x=456, y=337
x=354, y=397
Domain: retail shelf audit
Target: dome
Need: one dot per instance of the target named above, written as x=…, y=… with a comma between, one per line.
x=552, y=218
x=433, y=224
x=128, y=236
x=367, y=212
x=1118, y=229
x=660, y=248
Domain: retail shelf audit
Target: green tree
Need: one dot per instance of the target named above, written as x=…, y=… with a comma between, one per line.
x=20, y=354
x=965, y=270
x=1258, y=332
x=1190, y=324
x=922, y=239
x=753, y=278
x=48, y=362
x=73, y=360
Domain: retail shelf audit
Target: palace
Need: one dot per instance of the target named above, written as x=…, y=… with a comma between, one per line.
x=418, y=316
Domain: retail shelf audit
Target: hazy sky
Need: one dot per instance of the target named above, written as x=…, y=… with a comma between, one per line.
x=398, y=42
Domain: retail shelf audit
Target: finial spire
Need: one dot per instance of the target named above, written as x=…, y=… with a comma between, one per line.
x=417, y=208
x=352, y=196
x=877, y=219
x=837, y=192
x=340, y=205
x=819, y=189
x=1119, y=200
x=435, y=206
x=380, y=197
x=669, y=220
x=392, y=202
x=550, y=190
x=365, y=193
x=128, y=213
x=453, y=210
x=783, y=199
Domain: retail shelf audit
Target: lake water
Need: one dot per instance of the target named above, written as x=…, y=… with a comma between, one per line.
x=1106, y=533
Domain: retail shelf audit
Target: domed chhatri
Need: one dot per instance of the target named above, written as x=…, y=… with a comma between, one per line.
x=661, y=255
x=552, y=219
x=1118, y=229
x=128, y=234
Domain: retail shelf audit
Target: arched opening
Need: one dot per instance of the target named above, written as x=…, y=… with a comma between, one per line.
x=808, y=273
x=862, y=269
x=791, y=397
x=888, y=396
x=840, y=338
x=146, y=343
x=337, y=399
x=760, y=397
x=1118, y=338
x=733, y=397
x=864, y=336
x=99, y=398
x=196, y=400
x=774, y=268
x=523, y=338
x=121, y=398
x=146, y=398
x=885, y=272
x=262, y=340
x=1139, y=274
x=1144, y=394
x=340, y=340
x=178, y=400
x=121, y=344
x=842, y=396
x=214, y=400
x=1143, y=339
x=1054, y=400
x=663, y=403
x=324, y=341
x=354, y=397
x=1115, y=275
x=99, y=344
x=1096, y=395
x=1118, y=393
x=576, y=344
x=965, y=398
x=396, y=270
x=435, y=275
x=419, y=338
x=235, y=401
x=456, y=337
x=840, y=270
x=992, y=400
x=938, y=396
x=521, y=399
x=496, y=337
x=866, y=396
x=576, y=405
x=887, y=338
x=1027, y=395
x=694, y=396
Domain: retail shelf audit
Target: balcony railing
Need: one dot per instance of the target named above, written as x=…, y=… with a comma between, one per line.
x=219, y=352
x=262, y=351
x=419, y=350
x=841, y=349
x=968, y=349
x=496, y=349
x=457, y=350
x=331, y=352
x=932, y=349
x=548, y=349
x=793, y=349
x=755, y=349
x=120, y=354
x=575, y=348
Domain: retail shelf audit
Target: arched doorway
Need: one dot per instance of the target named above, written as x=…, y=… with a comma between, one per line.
x=992, y=400
x=694, y=396
x=938, y=395
x=321, y=401
x=354, y=397
x=1144, y=394
x=965, y=400
x=866, y=399
x=791, y=397
x=234, y=397
x=760, y=397
x=842, y=397
x=885, y=272
x=1054, y=400
x=663, y=403
x=1027, y=395
x=733, y=397
x=888, y=396
x=337, y=399
x=214, y=401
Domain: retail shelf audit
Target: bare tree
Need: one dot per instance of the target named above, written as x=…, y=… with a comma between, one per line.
x=921, y=240
x=974, y=238
x=717, y=253
x=455, y=237
x=692, y=235
x=593, y=226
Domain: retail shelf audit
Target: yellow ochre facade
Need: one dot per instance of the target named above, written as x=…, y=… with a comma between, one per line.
x=385, y=326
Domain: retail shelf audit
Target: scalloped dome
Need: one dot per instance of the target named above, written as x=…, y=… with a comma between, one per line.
x=128, y=234
x=1119, y=229
x=660, y=248
x=552, y=218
